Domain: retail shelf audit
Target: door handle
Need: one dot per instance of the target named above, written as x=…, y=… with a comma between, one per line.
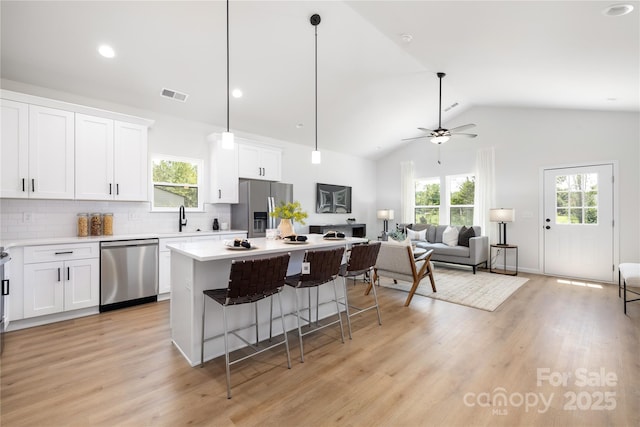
x=548, y=227
x=547, y=220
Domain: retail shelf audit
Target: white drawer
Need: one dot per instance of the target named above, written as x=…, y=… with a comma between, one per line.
x=48, y=253
x=170, y=240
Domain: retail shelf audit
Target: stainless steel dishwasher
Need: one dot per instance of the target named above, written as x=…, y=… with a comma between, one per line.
x=128, y=273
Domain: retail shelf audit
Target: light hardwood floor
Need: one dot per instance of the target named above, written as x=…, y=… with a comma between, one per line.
x=433, y=364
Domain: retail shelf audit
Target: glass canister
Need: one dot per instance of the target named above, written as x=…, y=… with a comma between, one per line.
x=107, y=224
x=96, y=224
x=83, y=224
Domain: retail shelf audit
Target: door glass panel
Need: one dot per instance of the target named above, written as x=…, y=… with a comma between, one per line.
x=577, y=199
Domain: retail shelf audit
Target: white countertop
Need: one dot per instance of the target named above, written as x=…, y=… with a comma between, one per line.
x=216, y=249
x=63, y=240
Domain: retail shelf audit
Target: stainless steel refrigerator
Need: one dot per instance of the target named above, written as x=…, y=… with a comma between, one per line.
x=256, y=200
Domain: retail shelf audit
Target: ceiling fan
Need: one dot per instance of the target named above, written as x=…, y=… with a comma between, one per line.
x=441, y=135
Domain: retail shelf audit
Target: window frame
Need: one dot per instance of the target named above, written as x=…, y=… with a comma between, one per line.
x=200, y=184
x=429, y=180
x=445, y=196
x=448, y=205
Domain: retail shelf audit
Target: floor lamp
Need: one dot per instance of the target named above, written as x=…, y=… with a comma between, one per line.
x=502, y=216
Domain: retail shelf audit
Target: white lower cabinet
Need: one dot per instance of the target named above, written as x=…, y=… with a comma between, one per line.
x=66, y=284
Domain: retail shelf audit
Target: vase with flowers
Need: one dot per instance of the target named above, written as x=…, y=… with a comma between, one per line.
x=288, y=212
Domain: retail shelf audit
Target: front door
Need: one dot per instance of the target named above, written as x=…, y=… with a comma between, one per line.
x=578, y=222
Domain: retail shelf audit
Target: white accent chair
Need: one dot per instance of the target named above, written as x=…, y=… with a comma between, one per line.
x=629, y=277
x=397, y=261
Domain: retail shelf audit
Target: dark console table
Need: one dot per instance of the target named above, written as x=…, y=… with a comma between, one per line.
x=353, y=230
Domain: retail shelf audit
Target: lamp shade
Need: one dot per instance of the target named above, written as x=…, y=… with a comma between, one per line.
x=385, y=213
x=502, y=215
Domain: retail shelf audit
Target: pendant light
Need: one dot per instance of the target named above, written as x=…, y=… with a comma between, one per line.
x=315, y=154
x=227, y=137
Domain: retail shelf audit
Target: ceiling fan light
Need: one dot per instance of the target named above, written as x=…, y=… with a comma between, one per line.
x=439, y=139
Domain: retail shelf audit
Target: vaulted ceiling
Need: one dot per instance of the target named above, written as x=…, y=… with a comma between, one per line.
x=377, y=61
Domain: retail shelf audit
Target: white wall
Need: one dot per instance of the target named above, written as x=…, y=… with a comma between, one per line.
x=525, y=141
x=170, y=135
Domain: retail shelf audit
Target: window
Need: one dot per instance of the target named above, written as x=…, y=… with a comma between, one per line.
x=461, y=199
x=456, y=202
x=176, y=181
x=427, y=201
x=577, y=199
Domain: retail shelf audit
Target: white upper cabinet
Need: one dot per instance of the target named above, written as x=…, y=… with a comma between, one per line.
x=224, y=173
x=259, y=162
x=51, y=153
x=37, y=152
x=131, y=161
x=14, y=149
x=94, y=158
x=111, y=159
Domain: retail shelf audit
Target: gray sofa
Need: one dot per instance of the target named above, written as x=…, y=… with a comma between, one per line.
x=476, y=254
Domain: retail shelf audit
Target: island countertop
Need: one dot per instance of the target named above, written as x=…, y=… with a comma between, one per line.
x=218, y=250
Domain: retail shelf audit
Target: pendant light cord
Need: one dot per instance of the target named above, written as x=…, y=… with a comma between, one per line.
x=316, y=84
x=227, y=65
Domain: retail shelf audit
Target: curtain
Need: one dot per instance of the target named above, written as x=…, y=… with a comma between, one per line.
x=485, y=191
x=407, y=196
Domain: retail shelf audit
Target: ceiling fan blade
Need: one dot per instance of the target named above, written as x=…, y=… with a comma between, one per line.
x=427, y=130
x=415, y=137
x=463, y=127
x=466, y=135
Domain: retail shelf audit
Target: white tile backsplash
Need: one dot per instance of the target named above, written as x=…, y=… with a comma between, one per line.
x=57, y=218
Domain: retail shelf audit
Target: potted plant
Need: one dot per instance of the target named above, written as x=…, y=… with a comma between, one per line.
x=288, y=212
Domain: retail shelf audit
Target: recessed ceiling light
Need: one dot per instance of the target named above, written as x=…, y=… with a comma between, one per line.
x=407, y=38
x=612, y=99
x=299, y=125
x=106, y=51
x=617, y=10
x=236, y=93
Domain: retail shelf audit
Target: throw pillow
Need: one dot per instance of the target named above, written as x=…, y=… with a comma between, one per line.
x=464, y=235
x=417, y=235
x=450, y=236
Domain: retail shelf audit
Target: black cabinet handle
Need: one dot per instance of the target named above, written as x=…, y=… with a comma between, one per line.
x=68, y=274
x=23, y=185
x=548, y=227
x=58, y=274
x=33, y=185
x=117, y=189
x=110, y=188
x=219, y=194
x=64, y=253
x=5, y=290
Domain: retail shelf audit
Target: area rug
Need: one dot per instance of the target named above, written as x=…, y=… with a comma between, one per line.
x=485, y=291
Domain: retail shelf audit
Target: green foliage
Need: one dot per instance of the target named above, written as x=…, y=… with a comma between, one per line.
x=465, y=195
x=428, y=196
x=397, y=235
x=291, y=210
x=186, y=174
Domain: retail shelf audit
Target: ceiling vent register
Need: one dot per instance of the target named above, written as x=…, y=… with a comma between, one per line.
x=178, y=96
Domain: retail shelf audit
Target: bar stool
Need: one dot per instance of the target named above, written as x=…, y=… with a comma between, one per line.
x=362, y=259
x=324, y=266
x=249, y=282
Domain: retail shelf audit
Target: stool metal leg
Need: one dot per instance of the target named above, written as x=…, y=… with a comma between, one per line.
x=346, y=305
x=335, y=294
x=204, y=306
x=299, y=324
x=284, y=331
x=375, y=297
x=226, y=350
x=255, y=304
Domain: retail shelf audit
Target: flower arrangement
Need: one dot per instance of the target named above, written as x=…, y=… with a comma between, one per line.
x=292, y=210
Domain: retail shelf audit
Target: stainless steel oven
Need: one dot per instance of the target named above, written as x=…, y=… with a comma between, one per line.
x=128, y=273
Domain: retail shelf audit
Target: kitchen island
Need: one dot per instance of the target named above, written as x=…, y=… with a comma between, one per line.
x=197, y=266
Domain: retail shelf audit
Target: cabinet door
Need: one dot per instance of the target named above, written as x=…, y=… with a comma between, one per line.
x=43, y=289
x=224, y=174
x=249, y=162
x=51, y=153
x=164, y=269
x=130, y=162
x=270, y=160
x=94, y=158
x=81, y=283
x=14, y=146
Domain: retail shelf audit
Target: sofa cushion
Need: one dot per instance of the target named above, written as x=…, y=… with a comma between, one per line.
x=438, y=233
x=464, y=235
x=442, y=249
x=450, y=236
x=417, y=235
